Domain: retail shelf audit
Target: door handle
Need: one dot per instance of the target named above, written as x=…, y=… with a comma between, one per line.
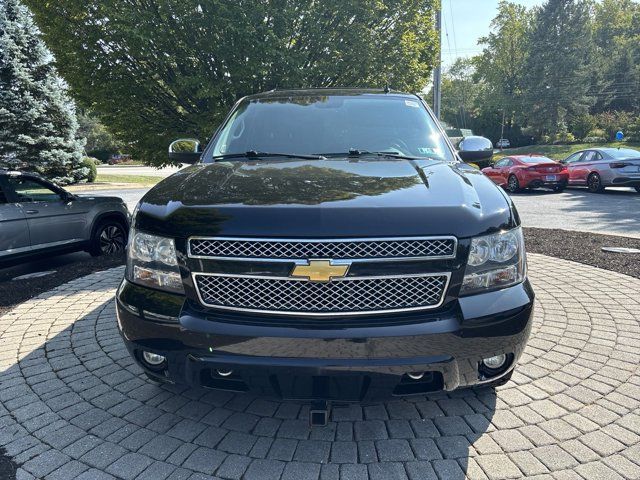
x=31, y=212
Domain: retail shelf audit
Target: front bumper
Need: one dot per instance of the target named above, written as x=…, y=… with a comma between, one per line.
x=348, y=362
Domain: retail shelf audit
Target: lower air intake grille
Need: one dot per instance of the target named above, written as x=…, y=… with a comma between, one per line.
x=355, y=295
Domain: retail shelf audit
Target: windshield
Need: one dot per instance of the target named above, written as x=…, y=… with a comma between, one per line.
x=332, y=125
x=622, y=152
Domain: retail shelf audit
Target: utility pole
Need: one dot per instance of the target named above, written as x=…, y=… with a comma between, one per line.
x=437, y=73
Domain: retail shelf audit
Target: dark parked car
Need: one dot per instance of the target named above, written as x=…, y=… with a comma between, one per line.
x=328, y=245
x=598, y=168
x=38, y=217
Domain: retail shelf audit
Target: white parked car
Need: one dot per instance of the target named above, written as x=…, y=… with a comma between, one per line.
x=503, y=143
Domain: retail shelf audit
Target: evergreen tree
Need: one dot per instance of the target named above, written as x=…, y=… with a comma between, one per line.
x=558, y=73
x=38, y=125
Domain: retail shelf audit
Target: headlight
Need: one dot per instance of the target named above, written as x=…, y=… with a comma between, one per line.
x=152, y=262
x=495, y=261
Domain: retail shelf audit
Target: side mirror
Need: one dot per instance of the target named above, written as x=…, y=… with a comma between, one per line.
x=473, y=149
x=185, y=150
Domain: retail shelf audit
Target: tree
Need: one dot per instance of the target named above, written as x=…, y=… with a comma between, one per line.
x=101, y=144
x=459, y=94
x=617, y=63
x=502, y=64
x=161, y=69
x=38, y=126
x=558, y=73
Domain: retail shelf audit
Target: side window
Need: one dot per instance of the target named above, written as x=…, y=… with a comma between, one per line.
x=573, y=158
x=501, y=163
x=598, y=156
x=508, y=163
x=589, y=156
x=28, y=190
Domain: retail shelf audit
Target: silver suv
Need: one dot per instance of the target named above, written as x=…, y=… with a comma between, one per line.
x=37, y=216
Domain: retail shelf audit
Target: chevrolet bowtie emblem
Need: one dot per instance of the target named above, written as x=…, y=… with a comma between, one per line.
x=320, y=270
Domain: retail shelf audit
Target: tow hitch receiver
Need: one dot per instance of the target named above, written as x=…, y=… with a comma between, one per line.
x=319, y=414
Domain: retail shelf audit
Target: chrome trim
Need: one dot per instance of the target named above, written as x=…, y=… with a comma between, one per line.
x=194, y=276
x=303, y=261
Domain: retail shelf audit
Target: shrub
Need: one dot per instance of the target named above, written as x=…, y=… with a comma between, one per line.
x=613, y=121
x=90, y=164
x=633, y=131
x=594, y=139
x=581, y=125
x=597, y=132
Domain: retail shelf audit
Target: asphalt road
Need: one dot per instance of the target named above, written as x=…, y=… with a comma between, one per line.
x=615, y=212
x=135, y=170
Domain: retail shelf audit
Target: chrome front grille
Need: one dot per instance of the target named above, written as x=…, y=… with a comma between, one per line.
x=288, y=249
x=348, y=295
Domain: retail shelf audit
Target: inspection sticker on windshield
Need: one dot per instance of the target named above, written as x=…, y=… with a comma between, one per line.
x=412, y=103
x=426, y=150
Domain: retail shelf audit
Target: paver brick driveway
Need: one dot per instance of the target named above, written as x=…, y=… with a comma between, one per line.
x=73, y=405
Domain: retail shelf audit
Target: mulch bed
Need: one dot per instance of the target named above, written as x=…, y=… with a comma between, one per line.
x=585, y=248
x=576, y=246
x=18, y=291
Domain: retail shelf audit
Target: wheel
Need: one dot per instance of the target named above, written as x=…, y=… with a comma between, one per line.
x=513, y=185
x=559, y=188
x=595, y=183
x=637, y=189
x=109, y=238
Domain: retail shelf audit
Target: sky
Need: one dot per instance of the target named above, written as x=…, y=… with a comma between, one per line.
x=464, y=22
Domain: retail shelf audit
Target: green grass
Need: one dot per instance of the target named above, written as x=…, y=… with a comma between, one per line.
x=559, y=152
x=135, y=179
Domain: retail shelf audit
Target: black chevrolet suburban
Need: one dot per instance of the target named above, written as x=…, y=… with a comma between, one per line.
x=327, y=245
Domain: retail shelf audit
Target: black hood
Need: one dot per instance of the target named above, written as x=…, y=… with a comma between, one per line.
x=326, y=198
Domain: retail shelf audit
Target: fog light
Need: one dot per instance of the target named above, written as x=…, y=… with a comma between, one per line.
x=153, y=358
x=495, y=362
x=224, y=373
x=415, y=375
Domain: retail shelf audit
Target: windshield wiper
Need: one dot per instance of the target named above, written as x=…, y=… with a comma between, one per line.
x=254, y=154
x=365, y=153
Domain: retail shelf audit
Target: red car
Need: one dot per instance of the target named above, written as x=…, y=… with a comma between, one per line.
x=517, y=172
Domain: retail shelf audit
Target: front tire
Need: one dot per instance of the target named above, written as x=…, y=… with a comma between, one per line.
x=513, y=185
x=594, y=183
x=637, y=189
x=559, y=189
x=109, y=238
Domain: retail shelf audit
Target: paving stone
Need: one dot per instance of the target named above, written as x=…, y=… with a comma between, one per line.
x=384, y=471
x=354, y=472
x=394, y=451
x=301, y=471
x=233, y=467
x=129, y=466
x=498, y=466
x=204, y=460
x=264, y=470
